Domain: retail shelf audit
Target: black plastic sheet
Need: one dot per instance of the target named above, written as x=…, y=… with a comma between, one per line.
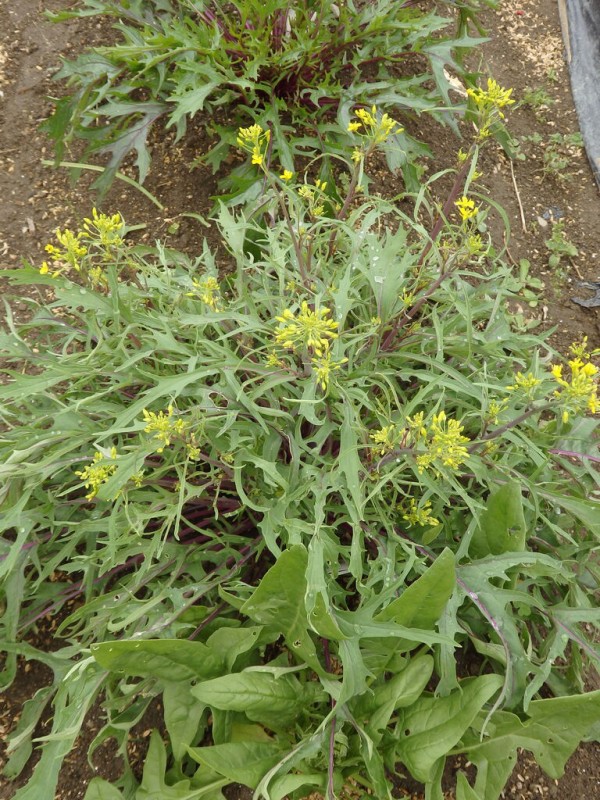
x=581, y=30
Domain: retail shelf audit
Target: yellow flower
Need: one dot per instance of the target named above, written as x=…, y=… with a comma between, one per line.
x=163, y=426
x=525, y=383
x=72, y=250
x=107, y=229
x=357, y=155
x=407, y=298
x=254, y=140
x=444, y=444
x=494, y=97
x=416, y=426
x=193, y=451
x=580, y=392
x=207, y=289
x=286, y=175
x=489, y=103
x=96, y=277
x=384, y=440
x=377, y=130
x=466, y=208
x=496, y=408
x=98, y=472
x=323, y=366
x=306, y=328
x=580, y=349
x=274, y=361
x=420, y=516
x=474, y=244
x=44, y=269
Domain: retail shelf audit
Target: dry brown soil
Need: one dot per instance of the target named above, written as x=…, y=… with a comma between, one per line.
x=526, y=52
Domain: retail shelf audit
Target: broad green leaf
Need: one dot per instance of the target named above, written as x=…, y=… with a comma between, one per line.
x=99, y=789
x=259, y=695
x=167, y=659
x=243, y=762
x=183, y=714
x=278, y=601
x=286, y=784
x=464, y=790
x=233, y=642
x=401, y=691
x=432, y=726
x=502, y=525
x=420, y=606
x=154, y=785
x=422, y=603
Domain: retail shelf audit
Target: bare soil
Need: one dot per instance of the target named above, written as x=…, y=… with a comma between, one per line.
x=526, y=52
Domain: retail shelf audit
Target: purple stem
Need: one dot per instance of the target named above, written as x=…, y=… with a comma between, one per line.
x=210, y=18
x=213, y=615
x=573, y=454
x=331, y=759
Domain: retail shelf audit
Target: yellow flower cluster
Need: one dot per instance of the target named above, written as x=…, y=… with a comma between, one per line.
x=384, y=440
x=286, y=175
x=106, y=229
x=420, y=516
x=525, y=383
x=164, y=427
x=578, y=392
x=254, y=140
x=443, y=440
x=98, y=472
x=489, y=103
x=466, y=208
x=474, y=244
x=306, y=328
x=101, y=232
x=377, y=130
x=208, y=290
x=324, y=365
x=67, y=257
x=315, y=206
x=496, y=408
x=494, y=97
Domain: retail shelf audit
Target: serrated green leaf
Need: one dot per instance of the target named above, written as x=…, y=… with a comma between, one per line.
x=552, y=731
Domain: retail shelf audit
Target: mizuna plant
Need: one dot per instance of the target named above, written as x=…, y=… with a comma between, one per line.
x=327, y=505
x=298, y=67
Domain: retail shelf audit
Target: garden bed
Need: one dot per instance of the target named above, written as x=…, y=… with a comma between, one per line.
x=525, y=53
